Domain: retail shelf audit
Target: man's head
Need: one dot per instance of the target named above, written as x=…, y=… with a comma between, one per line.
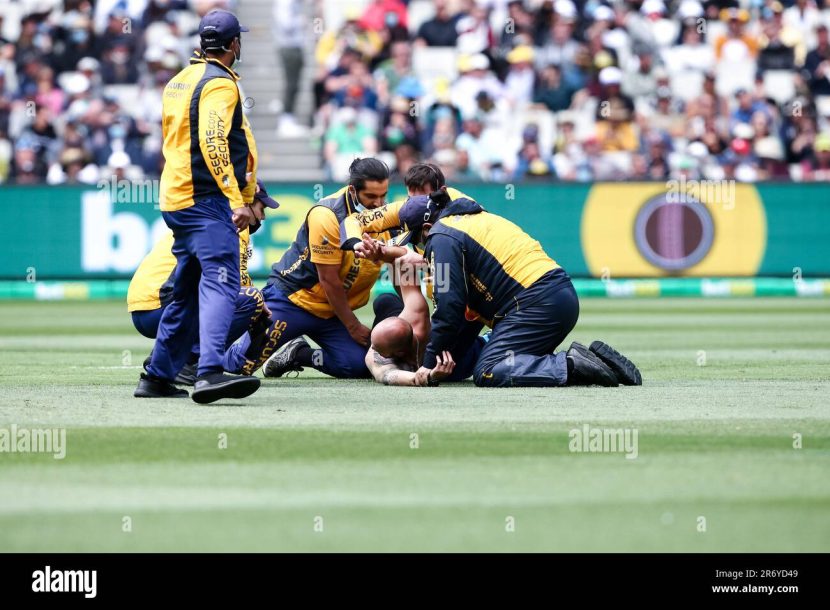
x=744, y=98
x=368, y=182
x=393, y=338
x=401, y=53
x=221, y=36
x=423, y=179
x=261, y=201
x=420, y=211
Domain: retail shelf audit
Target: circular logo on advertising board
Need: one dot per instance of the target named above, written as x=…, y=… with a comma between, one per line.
x=674, y=235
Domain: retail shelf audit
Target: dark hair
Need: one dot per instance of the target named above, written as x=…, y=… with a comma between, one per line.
x=217, y=49
x=369, y=168
x=422, y=174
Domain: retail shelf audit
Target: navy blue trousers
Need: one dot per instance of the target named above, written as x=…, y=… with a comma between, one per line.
x=249, y=305
x=206, y=246
x=340, y=356
x=520, y=349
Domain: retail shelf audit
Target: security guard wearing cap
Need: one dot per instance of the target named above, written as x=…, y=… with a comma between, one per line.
x=421, y=179
x=207, y=185
x=484, y=267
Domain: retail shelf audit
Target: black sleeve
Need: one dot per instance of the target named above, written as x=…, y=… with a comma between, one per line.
x=449, y=293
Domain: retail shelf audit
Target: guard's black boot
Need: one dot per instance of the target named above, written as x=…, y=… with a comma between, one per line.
x=217, y=386
x=186, y=376
x=588, y=369
x=625, y=370
x=153, y=387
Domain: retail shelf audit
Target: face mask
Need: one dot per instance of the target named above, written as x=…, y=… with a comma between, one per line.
x=358, y=207
x=237, y=59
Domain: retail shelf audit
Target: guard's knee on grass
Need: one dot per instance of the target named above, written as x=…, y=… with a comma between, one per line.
x=524, y=370
x=497, y=376
x=351, y=368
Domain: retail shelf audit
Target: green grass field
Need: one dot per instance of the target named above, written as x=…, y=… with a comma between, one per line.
x=727, y=384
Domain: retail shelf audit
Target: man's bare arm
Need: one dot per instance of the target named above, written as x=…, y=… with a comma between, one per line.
x=385, y=371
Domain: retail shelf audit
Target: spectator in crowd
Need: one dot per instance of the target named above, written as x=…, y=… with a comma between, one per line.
x=399, y=129
x=800, y=136
x=818, y=167
x=391, y=73
x=817, y=64
x=441, y=30
x=804, y=17
x=666, y=116
x=90, y=68
x=531, y=163
x=352, y=36
x=476, y=78
x=29, y=165
x=405, y=157
x=640, y=80
x=346, y=138
x=357, y=89
x=551, y=91
x=693, y=53
x=649, y=26
x=521, y=79
x=606, y=30
x=474, y=32
x=558, y=45
x=747, y=106
x=73, y=38
x=610, y=80
x=780, y=47
x=616, y=131
x=518, y=28
x=290, y=38
x=736, y=44
x=381, y=14
x=483, y=147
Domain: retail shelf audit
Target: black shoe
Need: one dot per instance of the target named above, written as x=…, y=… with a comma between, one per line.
x=211, y=388
x=186, y=376
x=588, y=369
x=282, y=360
x=153, y=387
x=625, y=370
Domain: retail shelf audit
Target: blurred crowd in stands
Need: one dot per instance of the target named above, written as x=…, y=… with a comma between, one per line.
x=503, y=90
x=81, y=83
x=493, y=90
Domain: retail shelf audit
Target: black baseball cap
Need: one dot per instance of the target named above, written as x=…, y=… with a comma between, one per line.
x=219, y=27
x=262, y=195
x=417, y=211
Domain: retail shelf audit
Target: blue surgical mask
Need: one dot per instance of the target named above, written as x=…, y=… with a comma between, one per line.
x=358, y=207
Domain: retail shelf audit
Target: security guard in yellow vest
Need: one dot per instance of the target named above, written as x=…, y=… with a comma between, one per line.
x=205, y=192
x=486, y=270
x=315, y=288
x=151, y=288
